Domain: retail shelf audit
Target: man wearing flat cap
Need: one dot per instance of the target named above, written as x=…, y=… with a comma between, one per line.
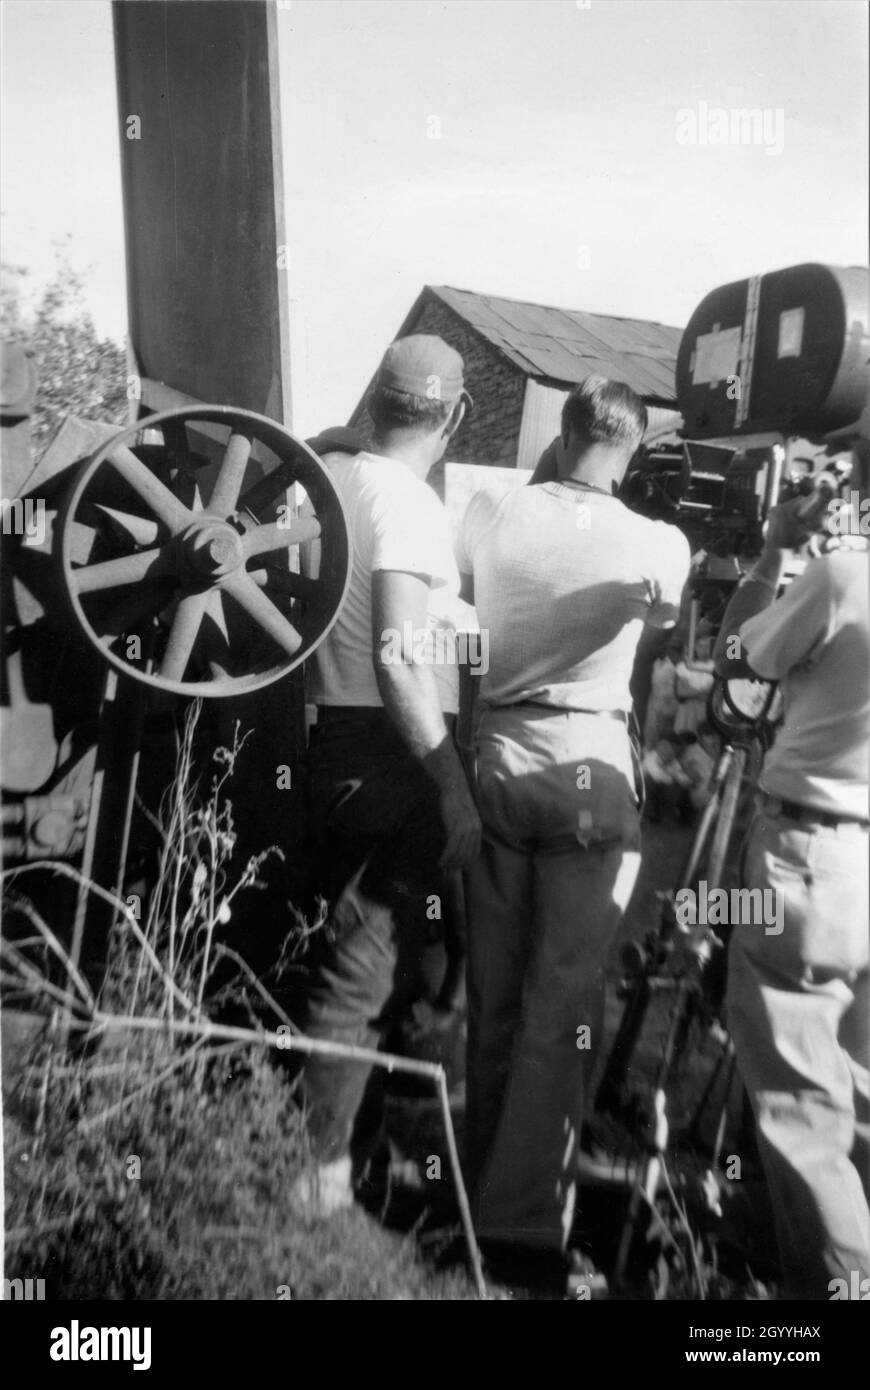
x=390, y=805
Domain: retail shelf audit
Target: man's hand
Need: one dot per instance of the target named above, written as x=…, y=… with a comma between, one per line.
x=785, y=528
x=462, y=824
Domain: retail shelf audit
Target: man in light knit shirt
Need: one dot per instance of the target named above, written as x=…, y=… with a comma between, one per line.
x=798, y=1001
x=565, y=577
x=390, y=805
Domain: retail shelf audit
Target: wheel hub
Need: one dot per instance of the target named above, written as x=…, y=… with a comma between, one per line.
x=212, y=550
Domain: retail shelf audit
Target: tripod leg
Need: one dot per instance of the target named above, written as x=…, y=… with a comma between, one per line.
x=608, y=1094
x=726, y=1057
x=634, y=1013
x=647, y=1182
x=645, y=1187
x=723, y=1114
x=725, y=824
x=690, y=867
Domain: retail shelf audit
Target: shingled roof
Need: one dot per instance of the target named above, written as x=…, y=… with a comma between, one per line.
x=563, y=346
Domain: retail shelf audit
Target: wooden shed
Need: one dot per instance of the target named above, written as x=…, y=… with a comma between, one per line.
x=521, y=361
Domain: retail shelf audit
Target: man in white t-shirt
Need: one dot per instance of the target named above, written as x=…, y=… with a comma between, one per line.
x=390, y=805
x=565, y=577
x=798, y=999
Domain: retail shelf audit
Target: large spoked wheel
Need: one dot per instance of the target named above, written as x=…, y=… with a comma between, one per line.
x=203, y=597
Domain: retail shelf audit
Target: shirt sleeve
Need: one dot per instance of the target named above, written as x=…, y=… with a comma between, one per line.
x=668, y=580
x=410, y=532
x=794, y=629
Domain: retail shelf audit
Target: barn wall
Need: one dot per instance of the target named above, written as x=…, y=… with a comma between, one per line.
x=490, y=432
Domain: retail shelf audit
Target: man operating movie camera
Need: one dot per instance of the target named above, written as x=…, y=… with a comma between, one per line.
x=797, y=1002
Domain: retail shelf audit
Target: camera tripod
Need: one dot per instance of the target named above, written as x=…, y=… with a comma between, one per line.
x=676, y=958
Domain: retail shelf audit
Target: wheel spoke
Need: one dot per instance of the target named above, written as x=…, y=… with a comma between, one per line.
x=183, y=634
x=286, y=582
x=163, y=503
x=277, y=537
x=127, y=569
x=216, y=612
x=263, y=492
x=231, y=476
x=141, y=529
x=255, y=603
x=216, y=640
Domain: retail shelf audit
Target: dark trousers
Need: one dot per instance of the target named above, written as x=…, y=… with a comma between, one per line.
x=378, y=835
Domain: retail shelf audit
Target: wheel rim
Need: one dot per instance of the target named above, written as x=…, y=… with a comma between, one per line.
x=205, y=586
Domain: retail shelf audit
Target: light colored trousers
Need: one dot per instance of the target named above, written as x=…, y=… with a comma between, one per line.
x=545, y=899
x=798, y=1013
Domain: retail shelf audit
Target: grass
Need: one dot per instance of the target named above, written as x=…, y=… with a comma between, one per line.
x=156, y=1161
x=182, y=1192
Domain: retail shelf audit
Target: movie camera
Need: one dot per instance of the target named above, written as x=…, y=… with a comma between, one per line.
x=721, y=495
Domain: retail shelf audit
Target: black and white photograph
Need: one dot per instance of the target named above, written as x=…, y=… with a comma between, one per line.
x=435, y=695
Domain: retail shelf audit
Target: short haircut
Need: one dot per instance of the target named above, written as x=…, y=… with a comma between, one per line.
x=600, y=411
x=390, y=410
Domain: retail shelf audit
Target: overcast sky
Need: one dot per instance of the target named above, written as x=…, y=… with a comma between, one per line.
x=557, y=175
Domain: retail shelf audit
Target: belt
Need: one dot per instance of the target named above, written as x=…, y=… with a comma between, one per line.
x=327, y=712
x=371, y=713
x=795, y=810
x=620, y=715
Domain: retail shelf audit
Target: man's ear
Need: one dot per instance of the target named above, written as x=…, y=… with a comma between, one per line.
x=454, y=419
